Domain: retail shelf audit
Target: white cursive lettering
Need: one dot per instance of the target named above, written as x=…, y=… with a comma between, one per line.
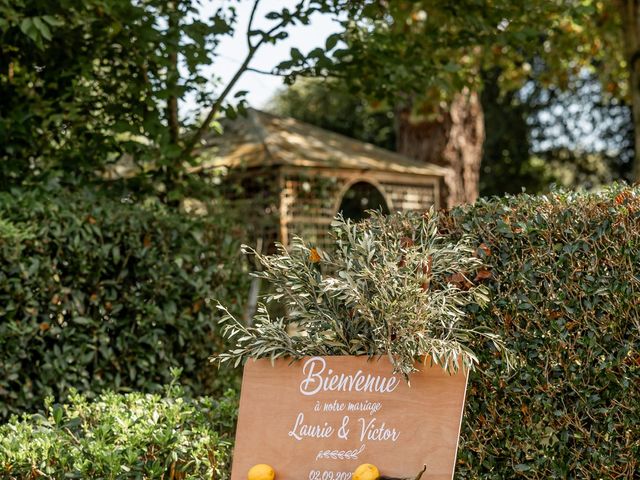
x=315, y=380
x=301, y=430
x=371, y=431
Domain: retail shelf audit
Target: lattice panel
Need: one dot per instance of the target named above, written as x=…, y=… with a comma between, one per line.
x=255, y=198
x=404, y=198
x=308, y=206
x=315, y=233
x=304, y=204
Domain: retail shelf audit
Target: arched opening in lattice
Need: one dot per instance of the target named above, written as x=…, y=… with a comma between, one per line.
x=360, y=197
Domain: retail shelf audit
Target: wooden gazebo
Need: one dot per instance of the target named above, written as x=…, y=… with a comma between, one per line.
x=292, y=178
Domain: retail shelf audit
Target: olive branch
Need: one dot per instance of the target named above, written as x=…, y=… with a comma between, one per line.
x=390, y=286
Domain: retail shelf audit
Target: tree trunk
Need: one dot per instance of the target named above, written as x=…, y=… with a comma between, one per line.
x=630, y=15
x=453, y=139
x=173, y=45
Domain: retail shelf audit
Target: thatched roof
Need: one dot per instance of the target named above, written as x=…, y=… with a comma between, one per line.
x=261, y=139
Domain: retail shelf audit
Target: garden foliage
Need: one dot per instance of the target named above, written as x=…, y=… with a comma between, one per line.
x=119, y=436
x=101, y=293
x=565, y=291
x=563, y=276
x=389, y=287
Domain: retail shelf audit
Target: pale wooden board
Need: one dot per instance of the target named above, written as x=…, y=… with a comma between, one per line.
x=426, y=416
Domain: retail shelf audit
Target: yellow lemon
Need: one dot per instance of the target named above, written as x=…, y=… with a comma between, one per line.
x=366, y=471
x=261, y=472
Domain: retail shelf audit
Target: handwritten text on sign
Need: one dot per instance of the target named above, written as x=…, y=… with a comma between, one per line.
x=318, y=378
x=321, y=417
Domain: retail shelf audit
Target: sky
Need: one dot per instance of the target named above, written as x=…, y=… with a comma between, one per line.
x=233, y=50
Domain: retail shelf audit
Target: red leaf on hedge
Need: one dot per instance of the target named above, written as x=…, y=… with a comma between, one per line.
x=456, y=278
x=483, y=275
x=485, y=249
x=459, y=280
x=507, y=321
x=621, y=197
x=197, y=305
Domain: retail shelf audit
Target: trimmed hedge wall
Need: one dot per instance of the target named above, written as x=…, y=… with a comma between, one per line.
x=119, y=436
x=565, y=282
x=566, y=296
x=109, y=293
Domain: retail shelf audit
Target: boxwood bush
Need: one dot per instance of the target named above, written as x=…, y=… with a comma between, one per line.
x=565, y=288
x=118, y=436
x=101, y=293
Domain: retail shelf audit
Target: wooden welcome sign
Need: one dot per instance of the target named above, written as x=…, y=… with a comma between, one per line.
x=318, y=418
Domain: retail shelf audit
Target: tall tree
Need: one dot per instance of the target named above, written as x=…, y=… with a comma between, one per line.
x=426, y=58
x=451, y=136
x=534, y=136
x=629, y=12
x=83, y=83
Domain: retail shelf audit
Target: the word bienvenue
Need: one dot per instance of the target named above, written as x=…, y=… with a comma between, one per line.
x=319, y=378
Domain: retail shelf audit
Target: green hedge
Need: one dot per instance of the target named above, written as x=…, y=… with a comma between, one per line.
x=121, y=436
x=566, y=297
x=109, y=293
x=565, y=282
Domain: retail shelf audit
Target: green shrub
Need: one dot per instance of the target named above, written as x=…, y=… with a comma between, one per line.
x=563, y=272
x=131, y=435
x=565, y=293
x=108, y=293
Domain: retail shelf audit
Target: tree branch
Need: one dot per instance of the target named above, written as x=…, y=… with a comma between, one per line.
x=172, y=102
x=253, y=12
x=265, y=72
x=204, y=128
x=191, y=143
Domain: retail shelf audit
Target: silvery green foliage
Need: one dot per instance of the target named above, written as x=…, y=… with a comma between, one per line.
x=393, y=286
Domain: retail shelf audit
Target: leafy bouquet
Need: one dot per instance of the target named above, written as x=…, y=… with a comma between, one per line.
x=392, y=286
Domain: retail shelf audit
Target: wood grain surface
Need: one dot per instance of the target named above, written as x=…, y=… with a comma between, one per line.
x=320, y=417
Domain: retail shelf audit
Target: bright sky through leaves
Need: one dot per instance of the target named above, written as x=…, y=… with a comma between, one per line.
x=233, y=50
